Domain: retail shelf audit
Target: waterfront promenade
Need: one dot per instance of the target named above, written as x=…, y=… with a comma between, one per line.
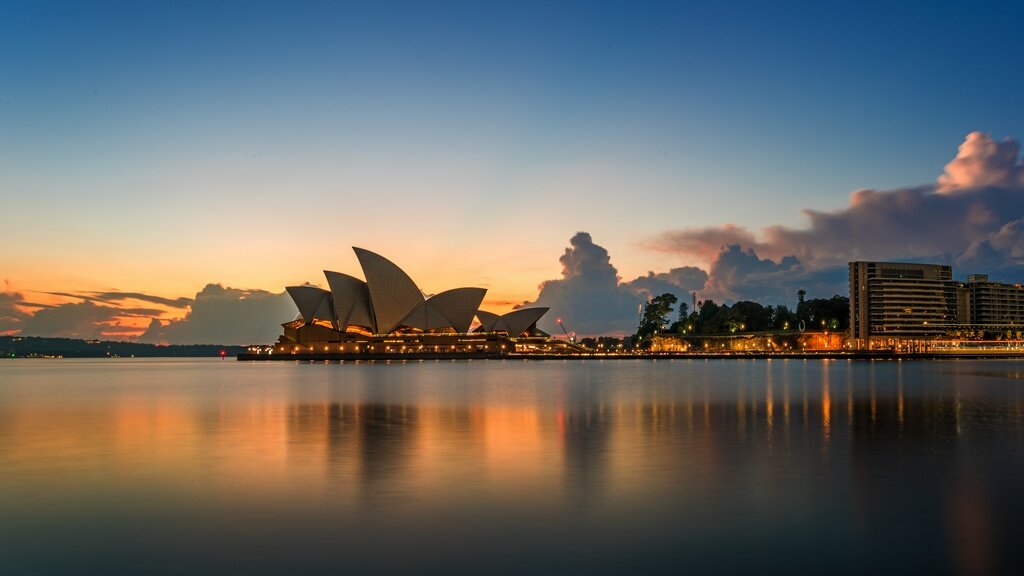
x=973, y=353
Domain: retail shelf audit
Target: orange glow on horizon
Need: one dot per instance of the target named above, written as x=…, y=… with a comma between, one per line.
x=38, y=285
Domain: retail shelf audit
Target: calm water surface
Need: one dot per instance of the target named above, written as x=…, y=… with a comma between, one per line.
x=204, y=466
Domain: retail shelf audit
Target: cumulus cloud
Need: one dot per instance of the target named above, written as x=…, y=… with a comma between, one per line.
x=222, y=315
x=588, y=297
x=981, y=162
x=894, y=224
x=972, y=217
x=591, y=299
x=1004, y=249
x=678, y=281
x=738, y=274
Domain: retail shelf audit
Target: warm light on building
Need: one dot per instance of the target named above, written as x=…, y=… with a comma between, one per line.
x=388, y=314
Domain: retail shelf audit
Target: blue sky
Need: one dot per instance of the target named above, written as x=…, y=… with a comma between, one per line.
x=156, y=147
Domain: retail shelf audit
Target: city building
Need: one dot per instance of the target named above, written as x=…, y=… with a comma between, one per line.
x=890, y=301
x=894, y=302
x=993, y=305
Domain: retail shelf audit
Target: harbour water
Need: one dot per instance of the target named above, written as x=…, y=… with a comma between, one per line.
x=767, y=466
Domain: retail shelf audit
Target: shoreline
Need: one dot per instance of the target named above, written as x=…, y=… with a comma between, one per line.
x=832, y=355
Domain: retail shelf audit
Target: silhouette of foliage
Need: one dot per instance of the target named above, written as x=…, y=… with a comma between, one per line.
x=747, y=316
x=655, y=316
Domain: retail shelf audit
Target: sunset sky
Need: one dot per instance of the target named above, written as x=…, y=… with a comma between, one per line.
x=149, y=150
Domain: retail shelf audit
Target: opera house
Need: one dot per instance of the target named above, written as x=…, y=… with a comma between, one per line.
x=387, y=315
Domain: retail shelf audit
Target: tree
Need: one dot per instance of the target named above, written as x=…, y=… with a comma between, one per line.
x=705, y=321
x=655, y=315
x=826, y=314
x=684, y=311
x=801, y=308
x=750, y=316
x=679, y=326
x=783, y=318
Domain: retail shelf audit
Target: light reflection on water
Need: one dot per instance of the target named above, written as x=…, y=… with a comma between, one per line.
x=171, y=466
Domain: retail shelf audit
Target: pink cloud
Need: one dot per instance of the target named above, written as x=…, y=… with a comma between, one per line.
x=982, y=161
x=970, y=216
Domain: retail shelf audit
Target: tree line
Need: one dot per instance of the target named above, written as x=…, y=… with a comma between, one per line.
x=710, y=318
x=29, y=346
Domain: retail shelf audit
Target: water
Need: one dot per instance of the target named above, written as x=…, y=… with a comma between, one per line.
x=209, y=466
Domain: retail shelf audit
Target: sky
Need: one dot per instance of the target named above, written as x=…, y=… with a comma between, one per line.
x=169, y=167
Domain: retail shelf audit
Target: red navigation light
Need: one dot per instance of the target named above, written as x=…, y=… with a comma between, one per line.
x=223, y=353
x=559, y=320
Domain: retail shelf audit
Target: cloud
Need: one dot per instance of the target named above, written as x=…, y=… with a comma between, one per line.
x=678, y=281
x=703, y=244
x=1004, y=249
x=222, y=315
x=592, y=300
x=139, y=312
x=72, y=320
x=11, y=317
x=115, y=297
x=119, y=332
x=588, y=297
x=895, y=224
x=217, y=315
x=981, y=162
x=92, y=315
x=972, y=217
x=120, y=296
x=738, y=274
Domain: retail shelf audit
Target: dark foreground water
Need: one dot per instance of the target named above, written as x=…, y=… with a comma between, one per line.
x=705, y=466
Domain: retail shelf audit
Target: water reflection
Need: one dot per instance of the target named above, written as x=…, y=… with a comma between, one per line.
x=839, y=465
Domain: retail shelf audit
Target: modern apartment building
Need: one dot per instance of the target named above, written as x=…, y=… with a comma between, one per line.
x=898, y=300
x=994, y=305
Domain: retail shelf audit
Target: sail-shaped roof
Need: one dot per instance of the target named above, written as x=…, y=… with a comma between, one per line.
x=518, y=321
x=425, y=317
x=515, y=322
x=458, y=306
x=488, y=320
x=310, y=301
x=393, y=295
x=351, y=301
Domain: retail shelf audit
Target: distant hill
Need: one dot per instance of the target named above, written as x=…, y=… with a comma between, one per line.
x=34, y=347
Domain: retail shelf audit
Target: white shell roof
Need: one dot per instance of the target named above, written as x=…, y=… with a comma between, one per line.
x=310, y=301
x=458, y=306
x=515, y=322
x=389, y=299
x=393, y=295
x=488, y=320
x=351, y=301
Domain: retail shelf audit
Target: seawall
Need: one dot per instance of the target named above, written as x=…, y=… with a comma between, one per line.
x=825, y=355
